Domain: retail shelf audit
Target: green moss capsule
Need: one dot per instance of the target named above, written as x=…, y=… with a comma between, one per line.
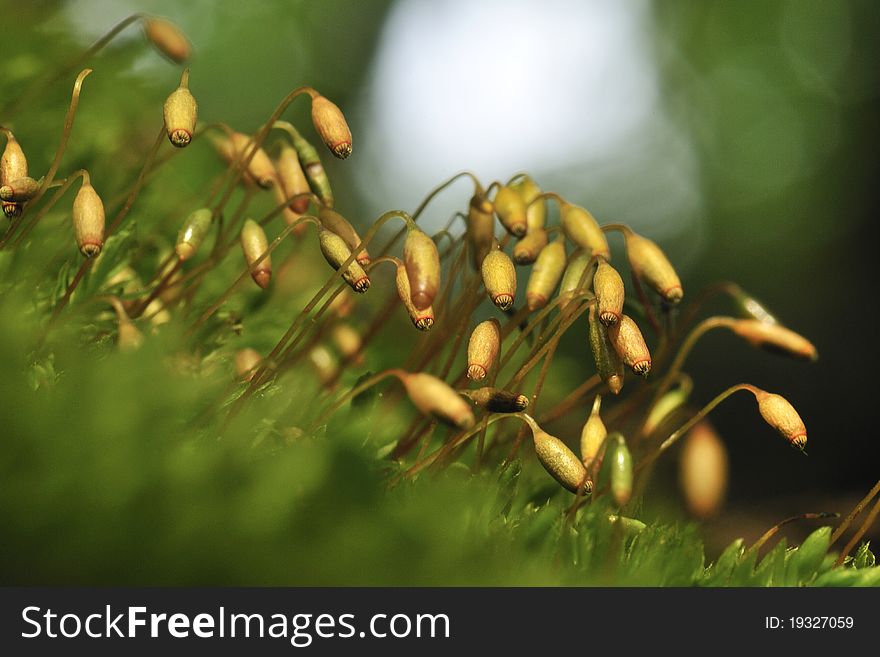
x=314, y=170
x=193, y=233
x=621, y=468
x=480, y=228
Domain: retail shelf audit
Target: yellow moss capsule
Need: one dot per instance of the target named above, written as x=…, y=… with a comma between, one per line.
x=348, y=342
x=621, y=465
x=511, y=211
x=20, y=190
x=499, y=278
x=780, y=414
x=774, y=337
x=88, y=219
x=13, y=163
x=608, y=364
x=254, y=244
x=336, y=252
x=583, y=230
x=480, y=228
x=293, y=178
x=246, y=363
x=593, y=434
x=609, y=289
x=314, y=170
x=168, y=39
x=558, y=460
x=536, y=213
x=703, y=470
x=330, y=124
x=434, y=397
x=750, y=307
x=497, y=401
x=180, y=113
x=324, y=364
x=575, y=270
x=260, y=168
x=526, y=250
x=483, y=348
x=545, y=275
x=333, y=221
x=629, y=343
x=651, y=265
x=421, y=319
x=422, y=261
x=193, y=233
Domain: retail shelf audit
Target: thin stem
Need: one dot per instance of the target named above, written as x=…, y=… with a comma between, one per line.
x=770, y=533
x=573, y=398
x=857, y=509
x=351, y=394
x=872, y=516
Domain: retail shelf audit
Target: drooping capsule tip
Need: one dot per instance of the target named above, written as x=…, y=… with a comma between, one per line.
x=609, y=318
x=535, y=301
x=476, y=372
x=90, y=249
x=362, y=284
x=342, y=150
x=424, y=323
x=673, y=294
x=503, y=301
x=185, y=250
x=262, y=277
x=180, y=137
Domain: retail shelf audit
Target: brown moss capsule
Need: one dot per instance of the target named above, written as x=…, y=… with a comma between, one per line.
x=293, y=178
x=480, y=228
x=336, y=252
x=260, y=168
x=483, y=348
x=168, y=39
x=180, y=113
x=621, y=465
x=499, y=278
x=332, y=220
x=593, y=434
x=774, y=337
x=422, y=261
x=20, y=190
x=324, y=364
x=497, y=401
x=703, y=470
x=651, y=265
x=780, y=414
x=608, y=364
x=558, y=460
x=526, y=250
x=545, y=275
x=434, y=397
x=314, y=170
x=246, y=363
x=254, y=244
x=608, y=286
x=193, y=233
x=583, y=230
x=536, y=213
x=628, y=342
x=88, y=219
x=13, y=163
x=348, y=342
x=330, y=124
x=511, y=211
x=421, y=319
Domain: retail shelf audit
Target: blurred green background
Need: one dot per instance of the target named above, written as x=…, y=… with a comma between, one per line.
x=739, y=135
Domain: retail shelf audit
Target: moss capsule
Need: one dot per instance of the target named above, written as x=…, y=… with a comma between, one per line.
x=293, y=178
x=629, y=343
x=499, y=278
x=324, y=364
x=260, y=168
x=511, y=211
x=254, y=244
x=545, y=275
x=651, y=265
x=168, y=39
x=193, y=233
x=333, y=221
x=593, y=434
x=497, y=401
x=336, y=252
x=558, y=460
x=670, y=402
x=578, y=268
x=480, y=228
x=13, y=163
x=609, y=289
x=536, y=213
x=775, y=338
x=583, y=230
x=422, y=261
x=348, y=342
x=246, y=363
x=781, y=415
x=88, y=219
x=483, y=348
x=422, y=319
x=703, y=470
x=621, y=468
x=609, y=366
x=433, y=396
x=19, y=190
x=526, y=250
x=180, y=112
x=331, y=125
